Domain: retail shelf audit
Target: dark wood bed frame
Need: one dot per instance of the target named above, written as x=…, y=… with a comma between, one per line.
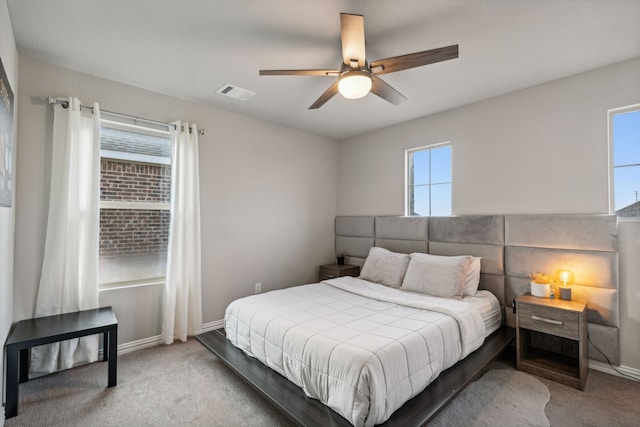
x=304, y=411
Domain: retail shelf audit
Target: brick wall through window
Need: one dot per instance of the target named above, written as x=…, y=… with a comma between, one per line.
x=134, y=231
x=135, y=182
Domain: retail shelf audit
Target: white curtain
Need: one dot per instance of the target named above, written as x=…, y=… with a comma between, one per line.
x=183, y=295
x=69, y=280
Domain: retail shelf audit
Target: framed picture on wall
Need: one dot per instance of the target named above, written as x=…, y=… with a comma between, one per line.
x=6, y=138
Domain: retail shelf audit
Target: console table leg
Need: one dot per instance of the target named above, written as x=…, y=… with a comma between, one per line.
x=105, y=346
x=13, y=375
x=113, y=357
x=24, y=365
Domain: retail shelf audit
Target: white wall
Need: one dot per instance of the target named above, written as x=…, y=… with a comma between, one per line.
x=268, y=197
x=9, y=56
x=539, y=150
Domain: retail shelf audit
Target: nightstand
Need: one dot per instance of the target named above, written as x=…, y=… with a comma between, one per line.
x=551, y=337
x=331, y=271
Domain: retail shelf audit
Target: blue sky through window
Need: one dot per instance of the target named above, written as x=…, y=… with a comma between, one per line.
x=626, y=158
x=429, y=191
x=441, y=165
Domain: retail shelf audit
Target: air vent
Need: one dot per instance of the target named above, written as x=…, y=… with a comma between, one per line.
x=235, y=92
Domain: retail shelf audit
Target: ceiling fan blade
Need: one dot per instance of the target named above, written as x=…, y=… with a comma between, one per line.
x=299, y=72
x=327, y=95
x=385, y=91
x=352, y=35
x=412, y=60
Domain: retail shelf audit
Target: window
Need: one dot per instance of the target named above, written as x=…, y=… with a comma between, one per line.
x=624, y=128
x=429, y=181
x=135, y=191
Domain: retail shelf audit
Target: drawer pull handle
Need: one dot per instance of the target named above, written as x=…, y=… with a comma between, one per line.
x=543, y=319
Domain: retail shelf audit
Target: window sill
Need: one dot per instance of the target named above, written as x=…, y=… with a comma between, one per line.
x=129, y=285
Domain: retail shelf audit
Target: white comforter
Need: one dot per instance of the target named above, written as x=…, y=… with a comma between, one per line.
x=361, y=348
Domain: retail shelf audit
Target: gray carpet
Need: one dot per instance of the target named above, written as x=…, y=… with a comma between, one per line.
x=177, y=385
x=184, y=384
x=500, y=398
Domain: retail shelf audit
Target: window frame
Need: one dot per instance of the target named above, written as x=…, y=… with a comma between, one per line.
x=407, y=179
x=612, y=186
x=132, y=205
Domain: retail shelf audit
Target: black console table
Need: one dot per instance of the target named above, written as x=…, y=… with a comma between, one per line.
x=46, y=330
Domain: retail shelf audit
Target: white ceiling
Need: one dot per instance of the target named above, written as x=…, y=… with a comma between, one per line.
x=191, y=48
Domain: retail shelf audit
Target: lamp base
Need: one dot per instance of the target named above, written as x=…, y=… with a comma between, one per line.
x=565, y=294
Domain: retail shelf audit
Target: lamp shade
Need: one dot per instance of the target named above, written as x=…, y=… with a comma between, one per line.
x=565, y=277
x=354, y=84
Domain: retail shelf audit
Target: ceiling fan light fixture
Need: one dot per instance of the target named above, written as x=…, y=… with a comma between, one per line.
x=354, y=84
x=356, y=75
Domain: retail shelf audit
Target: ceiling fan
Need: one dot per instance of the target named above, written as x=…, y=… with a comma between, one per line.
x=356, y=77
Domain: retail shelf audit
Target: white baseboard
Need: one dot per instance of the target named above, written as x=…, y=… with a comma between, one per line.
x=132, y=346
x=619, y=371
x=217, y=324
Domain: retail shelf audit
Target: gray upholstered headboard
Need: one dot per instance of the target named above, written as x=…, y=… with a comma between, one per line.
x=511, y=247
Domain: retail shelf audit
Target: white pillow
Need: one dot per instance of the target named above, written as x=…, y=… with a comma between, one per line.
x=385, y=267
x=473, y=277
x=441, y=276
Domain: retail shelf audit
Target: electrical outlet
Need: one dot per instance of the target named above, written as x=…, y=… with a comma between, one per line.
x=258, y=287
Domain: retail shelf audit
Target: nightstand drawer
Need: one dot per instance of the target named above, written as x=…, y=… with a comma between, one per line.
x=549, y=320
x=331, y=271
x=326, y=275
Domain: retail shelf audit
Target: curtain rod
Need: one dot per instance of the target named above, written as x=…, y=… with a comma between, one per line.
x=65, y=104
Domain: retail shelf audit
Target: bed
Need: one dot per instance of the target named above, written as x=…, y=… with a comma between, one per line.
x=510, y=246
x=363, y=347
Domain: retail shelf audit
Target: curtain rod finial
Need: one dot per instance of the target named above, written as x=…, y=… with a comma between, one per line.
x=63, y=102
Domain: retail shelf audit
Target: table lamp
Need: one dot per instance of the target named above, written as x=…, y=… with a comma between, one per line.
x=565, y=277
